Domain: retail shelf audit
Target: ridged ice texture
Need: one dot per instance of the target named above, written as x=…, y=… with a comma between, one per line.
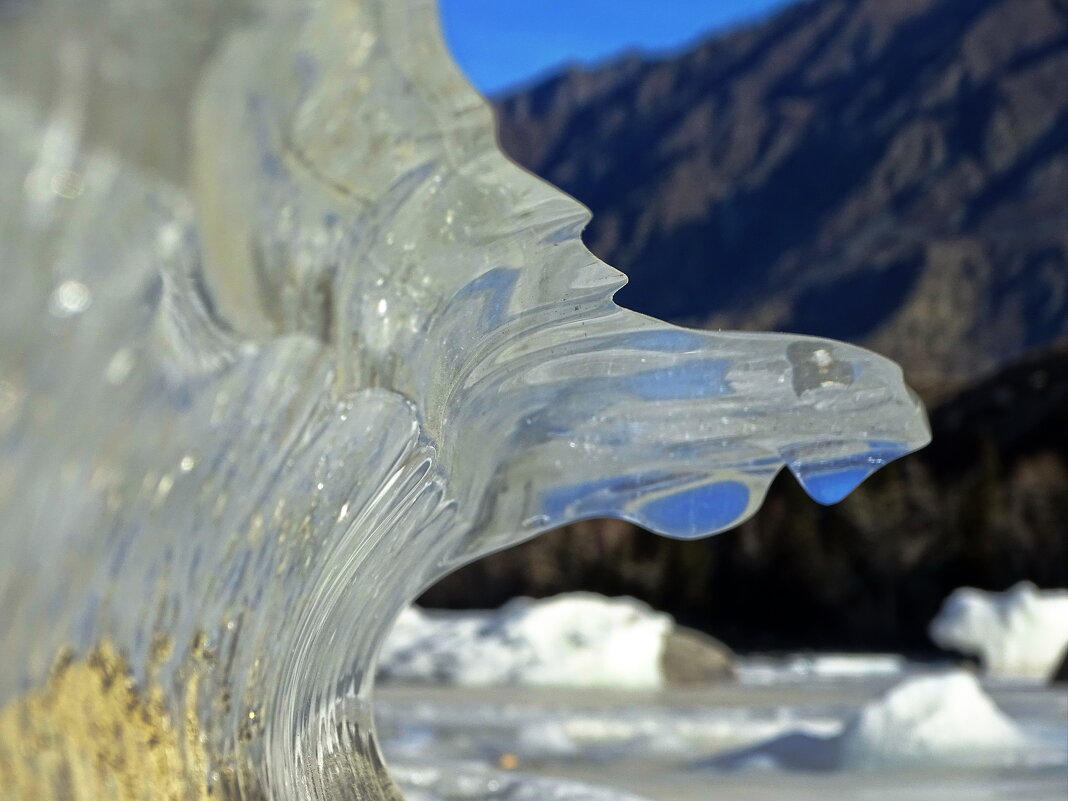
x=286, y=338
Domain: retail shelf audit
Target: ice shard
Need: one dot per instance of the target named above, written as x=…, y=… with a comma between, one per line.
x=285, y=338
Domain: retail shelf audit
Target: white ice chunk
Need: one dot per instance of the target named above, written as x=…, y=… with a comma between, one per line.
x=1019, y=634
x=575, y=639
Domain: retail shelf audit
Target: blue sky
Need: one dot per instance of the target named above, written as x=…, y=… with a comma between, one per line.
x=501, y=43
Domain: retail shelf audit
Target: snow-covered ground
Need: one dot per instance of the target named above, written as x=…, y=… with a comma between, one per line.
x=1021, y=633
x=804, y=727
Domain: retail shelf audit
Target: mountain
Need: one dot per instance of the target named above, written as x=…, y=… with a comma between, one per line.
x=890, y=172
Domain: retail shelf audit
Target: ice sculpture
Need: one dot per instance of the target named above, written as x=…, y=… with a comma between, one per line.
x=286, y=338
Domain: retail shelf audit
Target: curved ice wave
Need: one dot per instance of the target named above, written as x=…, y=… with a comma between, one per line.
x=287, y=339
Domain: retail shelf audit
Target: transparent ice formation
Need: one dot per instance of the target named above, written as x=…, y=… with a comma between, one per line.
x=285, y=339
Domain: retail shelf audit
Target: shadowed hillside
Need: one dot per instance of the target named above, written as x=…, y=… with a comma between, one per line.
x=891, y=172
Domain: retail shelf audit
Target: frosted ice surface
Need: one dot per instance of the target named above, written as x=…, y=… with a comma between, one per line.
x=286, y=338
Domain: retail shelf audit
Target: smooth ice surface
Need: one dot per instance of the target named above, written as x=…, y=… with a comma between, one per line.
x=819, y=667
x=685, y=744
x=285, y=339
x=572, y=640
x=1021, y=633
x=474, y=782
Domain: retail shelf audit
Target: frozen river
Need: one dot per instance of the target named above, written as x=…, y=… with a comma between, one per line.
x=765, y=736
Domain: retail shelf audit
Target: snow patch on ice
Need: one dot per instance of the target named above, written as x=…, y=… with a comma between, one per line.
x=925, y=721
x=571, y=640
x=1018, y=634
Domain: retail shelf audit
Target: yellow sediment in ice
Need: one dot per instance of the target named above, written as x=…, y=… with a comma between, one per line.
x=92, y=734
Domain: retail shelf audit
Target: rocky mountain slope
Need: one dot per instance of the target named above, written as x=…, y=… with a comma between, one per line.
x=891, y=172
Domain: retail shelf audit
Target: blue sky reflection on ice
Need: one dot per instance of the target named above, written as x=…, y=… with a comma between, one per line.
x=833, y=486
x=695, y=511
x=830, y=481
x=688, y=512
x=502, y=43
x=702, y=379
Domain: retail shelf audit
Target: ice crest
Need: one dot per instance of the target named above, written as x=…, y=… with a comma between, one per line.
x=286, y=338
